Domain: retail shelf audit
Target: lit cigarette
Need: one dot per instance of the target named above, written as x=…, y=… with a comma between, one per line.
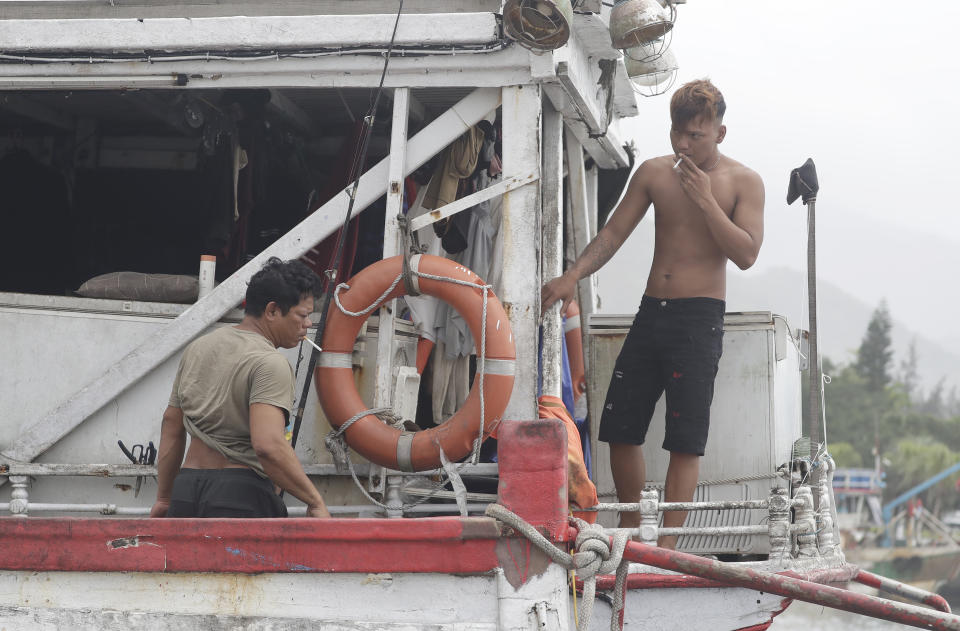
x=679, y=160
x=310, y=342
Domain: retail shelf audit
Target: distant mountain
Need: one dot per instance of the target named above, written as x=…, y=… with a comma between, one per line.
x=842, y=321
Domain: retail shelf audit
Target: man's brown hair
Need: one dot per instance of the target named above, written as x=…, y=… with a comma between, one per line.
x=695, y=99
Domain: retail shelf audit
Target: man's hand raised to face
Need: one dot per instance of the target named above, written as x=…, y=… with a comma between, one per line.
x=695, y=182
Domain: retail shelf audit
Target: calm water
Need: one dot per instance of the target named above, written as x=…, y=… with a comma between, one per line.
x=801, y=616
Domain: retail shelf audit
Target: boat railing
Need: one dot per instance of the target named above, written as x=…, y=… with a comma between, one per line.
x=21, y=474
x=792, y=524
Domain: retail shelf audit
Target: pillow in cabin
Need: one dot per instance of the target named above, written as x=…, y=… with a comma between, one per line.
x=141, y=287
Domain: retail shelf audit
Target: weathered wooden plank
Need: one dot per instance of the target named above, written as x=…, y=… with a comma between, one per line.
x=580, y=207
x=551, y=187
x=521, y=237
x=212, y=8
x=267, y=33
x=392, y=245
x=499, y=67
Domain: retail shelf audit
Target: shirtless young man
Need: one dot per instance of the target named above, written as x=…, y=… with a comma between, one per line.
x=707, y=209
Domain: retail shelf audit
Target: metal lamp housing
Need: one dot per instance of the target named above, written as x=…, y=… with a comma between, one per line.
x=638, y=22
x=539, y=25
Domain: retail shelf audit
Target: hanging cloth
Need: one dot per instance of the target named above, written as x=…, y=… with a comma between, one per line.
x=459, y=160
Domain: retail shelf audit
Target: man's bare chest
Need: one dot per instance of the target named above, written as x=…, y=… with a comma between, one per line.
x=672, y=204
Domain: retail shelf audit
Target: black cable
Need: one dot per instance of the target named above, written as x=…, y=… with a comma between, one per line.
x=356, y=171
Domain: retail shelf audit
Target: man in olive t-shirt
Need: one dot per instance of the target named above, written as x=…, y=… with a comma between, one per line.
x=233, y=394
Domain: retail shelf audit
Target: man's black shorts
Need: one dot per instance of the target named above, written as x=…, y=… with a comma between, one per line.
x=673, y=346
x=224, y=493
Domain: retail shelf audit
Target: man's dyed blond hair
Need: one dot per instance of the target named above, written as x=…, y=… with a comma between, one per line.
x=695, y=99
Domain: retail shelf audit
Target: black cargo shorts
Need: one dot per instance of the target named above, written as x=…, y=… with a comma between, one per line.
x=673, y=346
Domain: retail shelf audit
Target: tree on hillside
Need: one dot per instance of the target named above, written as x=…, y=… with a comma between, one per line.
x=876, y=352
x=909, y=371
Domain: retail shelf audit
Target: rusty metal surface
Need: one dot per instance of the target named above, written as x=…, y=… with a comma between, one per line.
x=792, y=587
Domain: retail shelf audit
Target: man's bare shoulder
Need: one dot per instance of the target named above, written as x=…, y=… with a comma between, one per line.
x=652, y=168
x=740, y=170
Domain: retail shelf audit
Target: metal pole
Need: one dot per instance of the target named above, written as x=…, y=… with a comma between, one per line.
x=790, y=587
x=816, y=383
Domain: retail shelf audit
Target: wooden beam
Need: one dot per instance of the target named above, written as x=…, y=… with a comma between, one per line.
x=624, y=96
x=392, y=243
x=46, y=9
x=471, y=200
x=40, y=435
x=268, y=33
x=507, y=66
x=521, y=235
x=551, y=187
x=577, y=93
x=580, y=208
x=417, y=111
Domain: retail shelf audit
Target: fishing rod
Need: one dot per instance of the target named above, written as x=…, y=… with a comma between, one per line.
x=356, y=170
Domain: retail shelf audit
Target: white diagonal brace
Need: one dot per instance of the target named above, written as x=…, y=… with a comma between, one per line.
x=472, y=200
x=41, y=435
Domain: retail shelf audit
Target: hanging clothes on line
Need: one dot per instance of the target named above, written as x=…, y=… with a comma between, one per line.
x=450, y=365
x=483, y=254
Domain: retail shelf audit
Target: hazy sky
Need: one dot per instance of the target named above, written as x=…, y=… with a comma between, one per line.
x=869, y=90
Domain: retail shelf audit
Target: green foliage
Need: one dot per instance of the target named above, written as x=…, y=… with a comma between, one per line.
x=915, y=461
x=871, y=411
x=875, y=353
x=845, y=455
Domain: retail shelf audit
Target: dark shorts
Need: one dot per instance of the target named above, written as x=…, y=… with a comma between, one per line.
x=224, y=493
x=673, y=346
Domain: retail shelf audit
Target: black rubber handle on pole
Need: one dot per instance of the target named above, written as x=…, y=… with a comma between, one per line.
x=803, y=183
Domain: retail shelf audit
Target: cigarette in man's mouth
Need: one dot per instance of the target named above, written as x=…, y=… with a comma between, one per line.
x=310, y=342
x=679, y=160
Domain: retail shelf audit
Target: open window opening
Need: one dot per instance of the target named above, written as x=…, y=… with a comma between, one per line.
x=99, y=182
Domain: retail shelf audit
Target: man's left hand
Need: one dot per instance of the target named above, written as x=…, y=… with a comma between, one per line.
x=160, y=508
x=695, y=182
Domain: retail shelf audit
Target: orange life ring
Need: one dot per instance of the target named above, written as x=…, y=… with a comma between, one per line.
x=571, y=331
x=337, y=391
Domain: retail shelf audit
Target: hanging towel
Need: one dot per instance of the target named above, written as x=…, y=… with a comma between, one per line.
x=459, y=160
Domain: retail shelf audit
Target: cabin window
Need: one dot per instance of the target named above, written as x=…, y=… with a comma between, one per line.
x=102, y=181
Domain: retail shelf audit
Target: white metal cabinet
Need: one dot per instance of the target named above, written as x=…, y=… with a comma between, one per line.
x=755, y=419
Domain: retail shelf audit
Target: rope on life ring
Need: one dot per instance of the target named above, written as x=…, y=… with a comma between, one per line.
x=481, y=412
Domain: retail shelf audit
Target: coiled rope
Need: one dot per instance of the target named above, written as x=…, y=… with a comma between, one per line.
x=593, y=555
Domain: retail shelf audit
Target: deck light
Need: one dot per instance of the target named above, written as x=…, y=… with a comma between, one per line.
x=642, y=25
x=539, y=25
x=652, y=77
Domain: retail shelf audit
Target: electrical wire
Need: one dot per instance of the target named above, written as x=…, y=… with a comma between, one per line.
x=356, y=171
x=405, y=51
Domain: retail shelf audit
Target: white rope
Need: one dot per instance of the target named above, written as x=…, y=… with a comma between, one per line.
x=337, y=446
x=334, y=440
